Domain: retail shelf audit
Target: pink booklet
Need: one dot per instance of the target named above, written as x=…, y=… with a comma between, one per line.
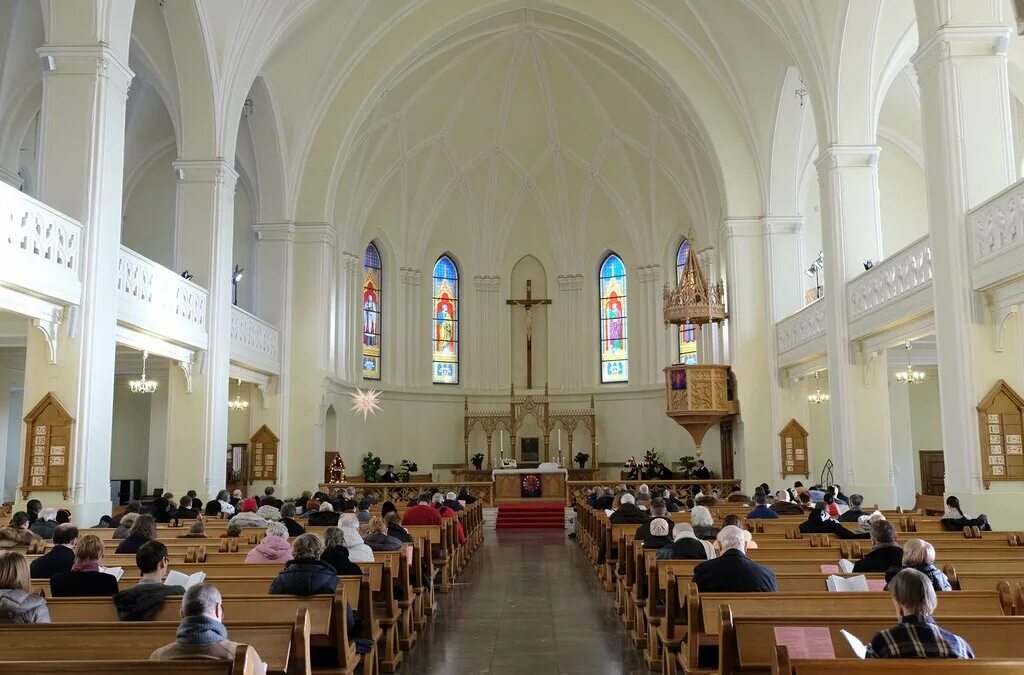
x=876, y=584
x=830, y=569
x=806, y=642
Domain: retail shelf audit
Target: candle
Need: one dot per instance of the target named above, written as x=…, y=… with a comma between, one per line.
x=559, y=442
x=501, y=435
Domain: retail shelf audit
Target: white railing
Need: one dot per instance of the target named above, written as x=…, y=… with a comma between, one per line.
x=155, y=299
x=40, y=248
x=996, y=229
x=891, y=281
x=802, y=327
x=254, y=342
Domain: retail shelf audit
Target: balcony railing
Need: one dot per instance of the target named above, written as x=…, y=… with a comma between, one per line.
x=152, y=298
x=41, y=248
x=895, y=289
x=997, y=238
x=802, y=328
x=254, y=342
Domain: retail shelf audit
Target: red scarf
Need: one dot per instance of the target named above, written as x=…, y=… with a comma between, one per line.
x=85, y=566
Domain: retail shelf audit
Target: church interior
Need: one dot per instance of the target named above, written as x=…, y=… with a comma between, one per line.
x=526, y=248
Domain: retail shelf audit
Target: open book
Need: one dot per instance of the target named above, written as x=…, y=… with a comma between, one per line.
x=845, y=565
x=843, y=584
x=116, y=572
x=858, y=647
x=185, y=580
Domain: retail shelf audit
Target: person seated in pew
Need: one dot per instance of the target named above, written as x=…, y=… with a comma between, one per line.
x=733, y=519
x=269, y=498
x=387, y=507
x=737, y=496
x=422, y=513
x=451, y=500
x=273, y=548
x=884, y=553
x=686, y=546
x=703, y=523
x=363, y=511
x=920, y=555
x=142, y=601
x=466, y=497
x=212, y=509
x=605, y=499
x=306, y=573
x=61, y=557
x=162, y=510
x=672, y=503
x=335, y=554
x=133, y=506
x=223, y=499
x=732, y=571
x=761, y=510
x=142, y=531
x=32, y=509
x=917, y=636
x=784, y=506
x=658, y=510
x=658, y=534
x=389, y=475
x=855, y=511
x=832, y=506
x=628, y=511
x=197, y=530
x=247, y=516
x=17, y=602
x=17, y=533
x=288, y=510
x=45, y=524
x=819, y=522
x=125, y=526
x=300, y=503
x=954, y=519
x=86, y=578
x=395, y=529
x=358, y=551
x=236, y=499
x=201, y=633
x=701, y=472
x=269, y=513
x=185, y=510
x=324, y=515
x=377, y=537
x=233, y=531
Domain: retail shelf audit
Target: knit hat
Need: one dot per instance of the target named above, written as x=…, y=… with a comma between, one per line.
x=659, y=527
x=249, y=505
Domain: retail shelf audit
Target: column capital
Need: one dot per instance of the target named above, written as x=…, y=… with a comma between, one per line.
x=648, y=273
x=487, y=284
x=950, y=42
x=783, y=224
x=570, y=282
x=315, y=233
x=741, y=227
x=215, y=170
x=410, y=276
x=97, y=60
x=842, y=156
x=274, y=231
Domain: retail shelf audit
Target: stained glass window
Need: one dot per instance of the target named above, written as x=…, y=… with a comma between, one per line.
x=371, y=313
x=445, y=312
x=614, y=334
x=687, y=332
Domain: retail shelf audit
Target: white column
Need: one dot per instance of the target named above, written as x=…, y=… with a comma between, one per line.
x=415, y=339
x=81, y=164
x=486, y=366
x=197, y=429
x=965, y=103
x=851, y=234
x=571, y=350
x=645, y=333
x=784, y=263
x=349, y=365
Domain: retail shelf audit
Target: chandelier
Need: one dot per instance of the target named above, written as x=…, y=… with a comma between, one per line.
x=693, y=300
x=817, y=397
x=909, y=376
x=238, y=405
x=143, y=385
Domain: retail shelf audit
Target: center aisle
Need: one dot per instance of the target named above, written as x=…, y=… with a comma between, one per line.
x=527, y=603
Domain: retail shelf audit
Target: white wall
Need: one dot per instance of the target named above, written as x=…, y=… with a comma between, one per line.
x=148, y=221
x=902, y=195
x=12, y=384
x=129, y=445
x=243, y=246
x=904, y=452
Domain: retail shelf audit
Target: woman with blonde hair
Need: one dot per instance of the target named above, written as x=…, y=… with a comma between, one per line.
x=377, y=537
x=920, y=555
x=17, y=603
x=86, y=578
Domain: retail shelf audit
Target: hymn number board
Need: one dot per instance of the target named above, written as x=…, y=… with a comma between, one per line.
x=47, y=448
x=1001, y=423
x=263, y=457
x=793, y=445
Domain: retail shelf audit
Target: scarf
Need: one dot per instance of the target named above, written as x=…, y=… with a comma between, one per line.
x=85, y=566
x=196, y=631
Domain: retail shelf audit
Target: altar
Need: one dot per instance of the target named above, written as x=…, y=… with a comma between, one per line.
x=522, y=485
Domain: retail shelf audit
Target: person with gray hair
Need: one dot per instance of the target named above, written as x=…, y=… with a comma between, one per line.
x=784, y=506
x=201, y=633
x=628, y=512
x=733, y=571
x=288, y=511
x=273, y=548
x=686, y=545
x=306, y=573
x=46, y=523
x=703, y=523
x=920, y=555
x=917, y=636
x=852, y=514
x=884, y=553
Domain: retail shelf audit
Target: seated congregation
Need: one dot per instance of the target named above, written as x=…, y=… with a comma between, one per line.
x=325, y=581
x=845, y=581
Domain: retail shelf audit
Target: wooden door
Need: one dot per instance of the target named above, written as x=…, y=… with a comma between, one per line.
x=237, y=467
x=933, y=473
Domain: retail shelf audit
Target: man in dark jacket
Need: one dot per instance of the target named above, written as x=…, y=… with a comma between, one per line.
x=686, y=545
x=288, y=520
x=605, y=499
x=269, y=498
x=761, y=510
x=854, y=512
x=185, y=509
x=45, y=524
x=885, y=552
x=628, y=512
x=701, y=472
x=142, y=601
x=305, y=573
x=818, y=522
x=61, y=557
x=658, y=510
x=733, y=571
x=784, y=507
x=389, y=476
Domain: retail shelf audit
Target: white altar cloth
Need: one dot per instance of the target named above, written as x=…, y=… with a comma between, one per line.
x=500, y=472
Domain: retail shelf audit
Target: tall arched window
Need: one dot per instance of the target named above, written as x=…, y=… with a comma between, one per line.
x=614, y=326
x=372, y=273
x=687, y=332
x=445, y=312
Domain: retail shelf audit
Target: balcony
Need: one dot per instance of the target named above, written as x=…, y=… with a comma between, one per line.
x=255, y=343
x=801, y=336
x=895, y=290
x=997, y=239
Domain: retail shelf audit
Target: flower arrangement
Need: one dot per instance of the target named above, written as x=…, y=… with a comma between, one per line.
x=582, y=458
x=478, y=461
x=687, y=463
x=407, y=468
x=371, y=467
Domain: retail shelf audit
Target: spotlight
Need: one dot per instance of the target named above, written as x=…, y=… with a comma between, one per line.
x=868, y=265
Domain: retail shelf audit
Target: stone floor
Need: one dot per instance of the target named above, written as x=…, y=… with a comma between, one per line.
x=529, y=602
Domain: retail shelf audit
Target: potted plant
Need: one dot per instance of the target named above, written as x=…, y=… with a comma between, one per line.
x=651, y=465
x=407, y=468
x=371, y=467
x=478, y=461
x=687, y=463
x=582, y=458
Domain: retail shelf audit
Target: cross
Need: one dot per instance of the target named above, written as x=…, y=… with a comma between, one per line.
x=527, y=303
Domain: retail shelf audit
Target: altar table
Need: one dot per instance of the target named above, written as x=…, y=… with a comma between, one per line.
x=508, y=485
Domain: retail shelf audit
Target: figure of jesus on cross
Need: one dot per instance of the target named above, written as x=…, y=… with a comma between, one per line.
x=527, y=303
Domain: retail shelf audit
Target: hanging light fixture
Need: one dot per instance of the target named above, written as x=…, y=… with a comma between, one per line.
x=143, y=385
x=238, y=405
x=910, y=376
x=817, y=397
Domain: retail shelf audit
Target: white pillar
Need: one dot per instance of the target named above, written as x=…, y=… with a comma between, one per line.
x=645, y=334
x=197, y=429
x=965, y=104
x=784, y=263
x=415, y=339
x=81, y=164
x=851, y=234
x=572, y=352
x=487, y=367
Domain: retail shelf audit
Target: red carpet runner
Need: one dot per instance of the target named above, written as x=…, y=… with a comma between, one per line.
x=530, y=515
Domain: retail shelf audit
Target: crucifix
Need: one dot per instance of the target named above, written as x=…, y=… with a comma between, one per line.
x=527, y=303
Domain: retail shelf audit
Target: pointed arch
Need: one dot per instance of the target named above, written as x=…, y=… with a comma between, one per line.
x=613, y=320
x=687, y=332
x=444, y=311
x=373, y=275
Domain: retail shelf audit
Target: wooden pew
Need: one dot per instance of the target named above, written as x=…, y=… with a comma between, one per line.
x=243, y=664
x=786, y=666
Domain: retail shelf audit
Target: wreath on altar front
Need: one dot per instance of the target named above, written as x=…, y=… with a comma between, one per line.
x=531, y=486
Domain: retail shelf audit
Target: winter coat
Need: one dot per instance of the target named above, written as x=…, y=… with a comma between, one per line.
x=272, y=549
x=940, y=582
x=13, y=536
x=200, y=637
x=337, y=557
x=305, y=577
x=140, y=603
x=44, y=528
x=399, y=533
x=294, y=529
x=629, y=513
x=321, y=518
x=82, y=584
x=132, y=543
x=247, y=520
x=382, y=542
x=55, y=561
x=17, y=606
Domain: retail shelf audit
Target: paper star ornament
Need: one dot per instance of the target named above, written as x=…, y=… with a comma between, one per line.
x=365, y=402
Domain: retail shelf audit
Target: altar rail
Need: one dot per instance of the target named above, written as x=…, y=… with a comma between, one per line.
x=403, y=493
x=576, y=490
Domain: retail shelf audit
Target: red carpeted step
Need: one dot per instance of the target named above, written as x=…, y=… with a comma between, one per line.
x=531, y=515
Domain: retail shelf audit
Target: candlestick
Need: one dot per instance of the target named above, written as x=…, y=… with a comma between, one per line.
x=559, y=442
x=501, y=435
